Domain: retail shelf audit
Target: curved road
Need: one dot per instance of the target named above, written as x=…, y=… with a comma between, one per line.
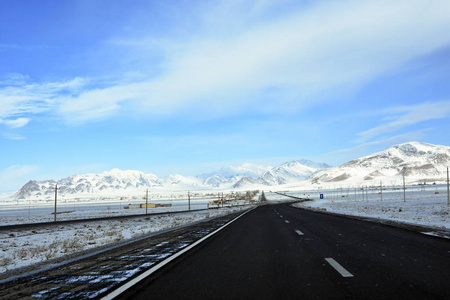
x=281, y=252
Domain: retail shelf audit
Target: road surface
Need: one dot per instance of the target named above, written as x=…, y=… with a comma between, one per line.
x=282, y=252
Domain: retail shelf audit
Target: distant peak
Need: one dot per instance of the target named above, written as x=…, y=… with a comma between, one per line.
x=414, y=144
x=414, y=147
x=308, y=163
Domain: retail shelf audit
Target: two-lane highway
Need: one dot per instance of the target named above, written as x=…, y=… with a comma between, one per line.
x=281, y=252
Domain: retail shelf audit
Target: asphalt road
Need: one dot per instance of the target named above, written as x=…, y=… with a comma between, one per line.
x=281, y=252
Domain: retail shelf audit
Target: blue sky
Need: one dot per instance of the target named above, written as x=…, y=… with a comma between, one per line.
x=190, y=86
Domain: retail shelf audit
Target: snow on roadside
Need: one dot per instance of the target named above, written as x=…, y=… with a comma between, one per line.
x=429, y=212
x=20, y=248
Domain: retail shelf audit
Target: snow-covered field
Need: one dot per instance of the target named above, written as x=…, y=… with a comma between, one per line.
x=19, y=248
x=418, y=205
x=35, y=211
x=423, y=206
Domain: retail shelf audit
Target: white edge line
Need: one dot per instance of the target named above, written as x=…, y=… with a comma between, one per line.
x=338, y=267
x=299, y=232
x=156, y=267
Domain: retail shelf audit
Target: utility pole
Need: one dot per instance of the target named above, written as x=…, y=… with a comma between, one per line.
x=146, y=202
x=189, y=201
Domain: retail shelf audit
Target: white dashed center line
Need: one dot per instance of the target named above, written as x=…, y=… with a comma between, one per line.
x=286, y=221
x=338, y=267
x=299, y=232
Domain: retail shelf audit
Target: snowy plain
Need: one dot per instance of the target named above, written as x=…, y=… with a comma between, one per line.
x=24, y=247
x=419, y=205
x=70, y=208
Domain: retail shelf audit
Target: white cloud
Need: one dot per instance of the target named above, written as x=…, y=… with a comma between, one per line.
x=344, y=155
x=397, y=139
x=13, y=137
x=322, y=50
x=17, y=123
x=14, y=79
x=23, y=97
x=94, y=104
x=326, y=49
x=407, y=116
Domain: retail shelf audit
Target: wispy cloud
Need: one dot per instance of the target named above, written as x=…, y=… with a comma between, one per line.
x=22, y=96
x=396, y=139
x=366, y=148
x=17, y=123
x=404, y=116
x=266, y=61
x=13, y=137
x=21, y=100
x=14, y=79
x=327, y=48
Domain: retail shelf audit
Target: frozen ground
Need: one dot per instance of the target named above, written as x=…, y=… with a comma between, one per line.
x=431, y=213
x=19, y=248
x=33, y=211
x=420, y=206
x=23, y=214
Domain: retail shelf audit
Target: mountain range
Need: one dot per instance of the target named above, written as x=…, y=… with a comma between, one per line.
x=417, y=161
x=118, y=181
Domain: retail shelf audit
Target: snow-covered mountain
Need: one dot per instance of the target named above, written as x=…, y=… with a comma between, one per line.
x=418, y=161
x=288, y=172
x=245, y=174
x=312, y=164
x=103, y=183
x=215, y=180
x=225, y=174
x=116, y=181
x=180, y=182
